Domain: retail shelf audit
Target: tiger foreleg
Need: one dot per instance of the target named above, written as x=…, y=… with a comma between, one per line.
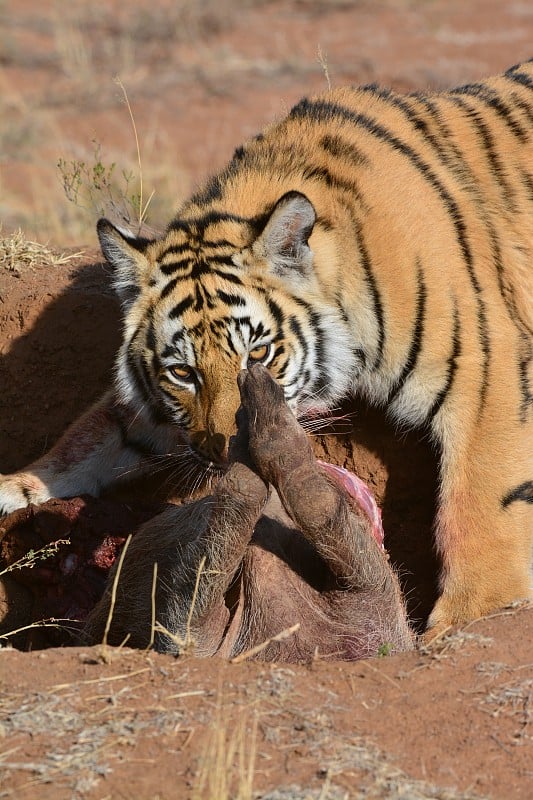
x=94, y=452
x=484, y=530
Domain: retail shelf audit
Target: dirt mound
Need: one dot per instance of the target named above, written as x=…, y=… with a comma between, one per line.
x=448, y=725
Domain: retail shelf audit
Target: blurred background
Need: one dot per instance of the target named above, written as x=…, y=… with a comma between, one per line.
x=81, y=83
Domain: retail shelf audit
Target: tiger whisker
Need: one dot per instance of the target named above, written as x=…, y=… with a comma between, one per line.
x=313, y=424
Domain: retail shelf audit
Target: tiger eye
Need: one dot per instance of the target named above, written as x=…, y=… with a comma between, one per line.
x=259, y=353
x=182, y=372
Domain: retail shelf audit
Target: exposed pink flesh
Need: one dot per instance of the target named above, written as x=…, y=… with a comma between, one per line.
x=361, y=494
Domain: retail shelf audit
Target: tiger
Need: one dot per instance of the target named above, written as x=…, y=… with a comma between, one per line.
x=368, y=243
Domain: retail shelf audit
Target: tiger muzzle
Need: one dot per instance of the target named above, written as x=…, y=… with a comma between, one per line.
x=213, y=446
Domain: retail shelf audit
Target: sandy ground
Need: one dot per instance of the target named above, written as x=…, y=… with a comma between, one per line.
x=453, y=722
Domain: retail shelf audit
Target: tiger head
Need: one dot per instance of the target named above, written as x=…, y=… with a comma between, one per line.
x=214, y=295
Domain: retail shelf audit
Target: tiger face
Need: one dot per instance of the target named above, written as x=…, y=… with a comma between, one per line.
x=204, y=303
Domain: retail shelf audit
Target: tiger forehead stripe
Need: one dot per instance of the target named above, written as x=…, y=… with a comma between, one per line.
x=231, y=299
x=169, y=288
x=189, y=246
x=172, y=256
x=169, y=263
x=231, y=277
x=170, y=266
x=175, y=249
x=181, y=307
x=197, y=226
x=277, y=313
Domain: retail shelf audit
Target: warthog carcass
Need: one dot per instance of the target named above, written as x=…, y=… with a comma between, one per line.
x=279, y=548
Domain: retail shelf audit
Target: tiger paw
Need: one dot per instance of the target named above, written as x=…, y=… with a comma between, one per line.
x=462, y=607
x=453, y=609
x=19, y=490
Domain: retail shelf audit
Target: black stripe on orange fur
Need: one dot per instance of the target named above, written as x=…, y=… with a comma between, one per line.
x=523, y=492
x=417, y=336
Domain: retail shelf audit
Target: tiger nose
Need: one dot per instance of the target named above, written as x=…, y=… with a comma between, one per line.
x=217, y=447
x=213, y=446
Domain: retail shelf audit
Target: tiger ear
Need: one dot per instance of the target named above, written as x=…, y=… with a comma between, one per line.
x=126, y=254
x=284, y=240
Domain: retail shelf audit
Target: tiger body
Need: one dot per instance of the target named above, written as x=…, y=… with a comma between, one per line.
x=368, y=243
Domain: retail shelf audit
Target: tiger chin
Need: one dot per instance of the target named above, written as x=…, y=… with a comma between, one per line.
x=368, y=243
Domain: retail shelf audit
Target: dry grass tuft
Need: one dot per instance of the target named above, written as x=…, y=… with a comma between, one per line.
x=17, y=253
x=254, y=651
x=451, y=642
x=29, y=561
x=227, y=764
x=513, y=699
x=187, y=643
x=451, y=639
x=385, y=780
x=104, y=650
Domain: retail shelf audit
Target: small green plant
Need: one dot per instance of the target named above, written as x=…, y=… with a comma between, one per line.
x=384, y=650
x=94, y=185
x=28, y=561
x=32, y=557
